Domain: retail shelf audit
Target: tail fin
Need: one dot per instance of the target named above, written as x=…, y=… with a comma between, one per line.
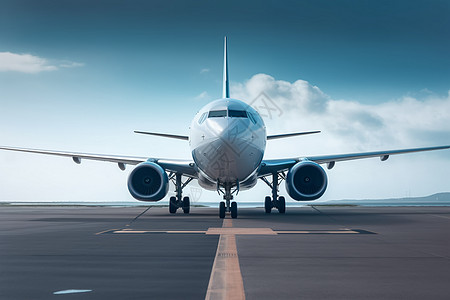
x=226, y=87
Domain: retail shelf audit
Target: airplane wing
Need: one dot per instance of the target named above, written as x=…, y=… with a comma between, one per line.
x=271, y=166
x=187, y=167
x=279, y=136
x=173, y=136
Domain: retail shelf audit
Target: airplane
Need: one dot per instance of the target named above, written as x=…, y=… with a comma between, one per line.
x=227, y=139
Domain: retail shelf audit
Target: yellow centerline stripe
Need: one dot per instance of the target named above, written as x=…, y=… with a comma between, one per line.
x=225, y=281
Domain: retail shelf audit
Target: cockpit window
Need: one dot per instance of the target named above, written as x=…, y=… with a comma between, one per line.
x=202, y=118
x=251, y=117
x=217, y=113
x=237, y=113
x=223, y=113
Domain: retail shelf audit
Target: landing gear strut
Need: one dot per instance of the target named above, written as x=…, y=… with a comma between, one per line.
x=276, y=201
x=178, y=201
x=228, y=206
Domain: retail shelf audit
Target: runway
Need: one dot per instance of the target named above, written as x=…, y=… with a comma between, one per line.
x=308, y=253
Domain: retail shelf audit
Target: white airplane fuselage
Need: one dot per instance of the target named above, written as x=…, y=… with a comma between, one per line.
x=227, y=140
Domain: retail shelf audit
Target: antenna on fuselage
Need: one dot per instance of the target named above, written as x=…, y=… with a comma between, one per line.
x=226, y=87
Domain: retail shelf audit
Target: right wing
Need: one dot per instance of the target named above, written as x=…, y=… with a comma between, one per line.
x=271, y=166
x=384, y=155
x=186, y=167
x=279, y=136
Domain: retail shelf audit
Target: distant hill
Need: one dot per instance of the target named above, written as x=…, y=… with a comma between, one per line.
x=439, y=199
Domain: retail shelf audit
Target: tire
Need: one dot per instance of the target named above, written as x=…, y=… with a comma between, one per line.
x=281, y=205
x=186, y=205
x=233, y=210
x=268, y=205
x=222, y=210
x=173, y=205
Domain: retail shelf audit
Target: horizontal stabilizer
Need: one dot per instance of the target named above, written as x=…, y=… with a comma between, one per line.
x=280, y=136
x=172, y=136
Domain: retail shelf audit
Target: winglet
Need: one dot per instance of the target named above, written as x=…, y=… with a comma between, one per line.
x=226, y=87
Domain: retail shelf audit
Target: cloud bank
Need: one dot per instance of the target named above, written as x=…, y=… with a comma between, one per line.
x=27, y=63
x=348, y=125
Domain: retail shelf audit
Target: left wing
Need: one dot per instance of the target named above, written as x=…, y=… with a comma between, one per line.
x=187, y=167
x=271, y=166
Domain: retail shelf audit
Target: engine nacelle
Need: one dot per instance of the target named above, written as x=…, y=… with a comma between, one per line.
x=306, y=181
x=148, y=182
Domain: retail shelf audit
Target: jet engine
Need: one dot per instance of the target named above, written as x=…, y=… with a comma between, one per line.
x=148, y=182
x=305, y=181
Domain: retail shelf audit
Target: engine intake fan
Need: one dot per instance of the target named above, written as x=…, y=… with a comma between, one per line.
x=306, y=180
x=148, y=182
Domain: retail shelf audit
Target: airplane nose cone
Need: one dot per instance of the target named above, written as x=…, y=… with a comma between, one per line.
x=236, y=147
x=229, y=148
x=228, y=158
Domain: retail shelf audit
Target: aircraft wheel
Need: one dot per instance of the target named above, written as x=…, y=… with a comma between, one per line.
x=268, y=204
x=173, y=205
x=281, y=205
x=233, y=210
x=222, y=210
x=186, y=205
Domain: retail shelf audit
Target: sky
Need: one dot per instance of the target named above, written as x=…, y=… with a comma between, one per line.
x=82, y=75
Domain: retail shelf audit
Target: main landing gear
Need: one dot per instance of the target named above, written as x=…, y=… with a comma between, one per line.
x=178, y=201
x=228, y=206
x=275, y=201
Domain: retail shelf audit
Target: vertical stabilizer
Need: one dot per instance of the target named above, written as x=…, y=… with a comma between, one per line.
x=226, y=87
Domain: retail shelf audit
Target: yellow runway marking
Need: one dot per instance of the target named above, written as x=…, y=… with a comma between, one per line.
x=159, y=231
x=256, y=231
x=226, y=278
x=227, y=223
x=234, y=231
x=105, y=231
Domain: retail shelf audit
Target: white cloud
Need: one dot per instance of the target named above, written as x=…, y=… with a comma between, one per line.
x=407, y=121
x=204, y=70
x=27, y=63
x=202, y=95
x=71, y=64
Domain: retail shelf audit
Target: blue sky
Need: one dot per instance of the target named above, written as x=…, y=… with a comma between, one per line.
x=383, y=48
x=106, y=68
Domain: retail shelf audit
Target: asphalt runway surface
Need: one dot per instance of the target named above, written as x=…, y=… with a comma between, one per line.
x=308, y=253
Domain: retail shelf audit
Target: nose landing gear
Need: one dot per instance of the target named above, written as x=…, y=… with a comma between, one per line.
x=231, y=208
x=228, y=206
